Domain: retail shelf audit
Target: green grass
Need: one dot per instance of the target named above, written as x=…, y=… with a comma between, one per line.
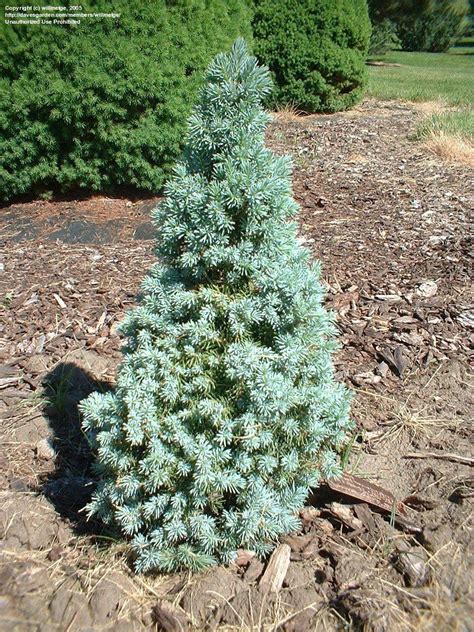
x=446, y=77
x=458, y=124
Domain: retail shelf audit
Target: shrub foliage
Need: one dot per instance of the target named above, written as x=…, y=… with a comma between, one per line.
x=432, y=28
x=425, y=25
x=102, y=104
x=315, y=50
x=384, y=30
x=226, y=410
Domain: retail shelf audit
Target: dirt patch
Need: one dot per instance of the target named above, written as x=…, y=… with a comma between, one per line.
x=391, y=225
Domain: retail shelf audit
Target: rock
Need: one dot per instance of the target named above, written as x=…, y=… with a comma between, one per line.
x=309, y=516
x=44, y=450
x=382, y=369
x=245, y=610
x=366, y=378
x=345, y=514
x=208, y=592
x=243, y=557
x=411, y=561
x=169, y=619
x=428, y=289
x=30, y=522
x=254, y=571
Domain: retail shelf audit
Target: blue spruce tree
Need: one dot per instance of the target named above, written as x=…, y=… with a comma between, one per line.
x=225, y=411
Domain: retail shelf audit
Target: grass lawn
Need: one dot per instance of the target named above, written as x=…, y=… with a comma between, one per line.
x=447, y=77
x=451, y=123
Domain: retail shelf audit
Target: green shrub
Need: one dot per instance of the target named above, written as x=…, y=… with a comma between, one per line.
x=315, y=50
x=424, y=25
x=103, y=104
x=383, y=37
x=226, y=411
x=384, y=29
x=434, y=29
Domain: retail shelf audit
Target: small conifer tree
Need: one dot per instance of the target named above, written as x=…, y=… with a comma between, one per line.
x=225, y=411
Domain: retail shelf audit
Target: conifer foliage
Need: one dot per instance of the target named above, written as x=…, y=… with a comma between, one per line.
x=225, y=411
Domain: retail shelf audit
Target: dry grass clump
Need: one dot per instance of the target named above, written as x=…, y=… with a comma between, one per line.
x=451, y=148
x=449, y=135
x=288, y=112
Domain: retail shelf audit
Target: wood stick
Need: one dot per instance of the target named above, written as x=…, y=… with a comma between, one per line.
x=457, y=458
x=275, y=572
x=362, y=490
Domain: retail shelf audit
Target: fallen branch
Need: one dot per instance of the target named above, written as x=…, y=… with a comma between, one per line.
x=457, y=458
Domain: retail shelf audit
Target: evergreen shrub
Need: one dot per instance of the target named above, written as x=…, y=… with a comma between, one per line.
x=315, y=50
x=225, y=410
x=434, y=28
x=103, y=104
x=425, y=25
x=383, y=37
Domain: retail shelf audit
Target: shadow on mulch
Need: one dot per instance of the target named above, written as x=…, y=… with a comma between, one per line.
x=74, y=195
x=69, y=487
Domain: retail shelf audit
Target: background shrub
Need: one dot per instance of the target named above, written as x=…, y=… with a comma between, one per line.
x=315, y=50
x=425, y=25
x=383, y=37
x=432, y=28
x=104, y=104
x=384, y=30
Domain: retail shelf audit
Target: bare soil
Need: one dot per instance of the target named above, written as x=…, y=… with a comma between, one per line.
x=391, y=225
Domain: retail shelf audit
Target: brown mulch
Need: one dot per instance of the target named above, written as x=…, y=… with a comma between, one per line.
x=391, y=226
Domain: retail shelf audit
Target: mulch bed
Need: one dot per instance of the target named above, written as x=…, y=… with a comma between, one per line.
x=391, y=226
